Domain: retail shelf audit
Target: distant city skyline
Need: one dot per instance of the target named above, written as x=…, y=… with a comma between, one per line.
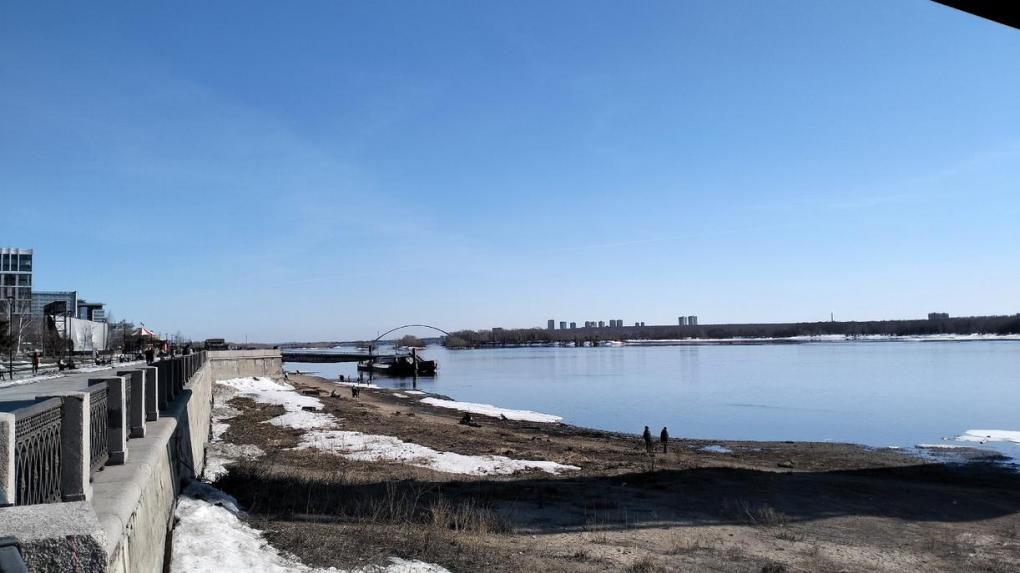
x=332, y=170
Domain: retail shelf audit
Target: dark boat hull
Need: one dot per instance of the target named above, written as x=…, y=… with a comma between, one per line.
x=401, y=367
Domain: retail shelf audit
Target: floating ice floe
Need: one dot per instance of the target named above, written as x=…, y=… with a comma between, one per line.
x=373, y=448
x=490, y=410
x=210, y=537
x=990, y=436
x=267, y=391
x=942, y=446
x=717, y=449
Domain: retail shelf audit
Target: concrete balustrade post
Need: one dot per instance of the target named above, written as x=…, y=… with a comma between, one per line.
x=8, y=486
x=136, y=409
x=174, y=378
x=117, y=428
x=151, y=376
x=75, y=444
x=163, y=376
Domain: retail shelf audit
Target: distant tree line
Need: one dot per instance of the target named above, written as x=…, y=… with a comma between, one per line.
x=1009, y=324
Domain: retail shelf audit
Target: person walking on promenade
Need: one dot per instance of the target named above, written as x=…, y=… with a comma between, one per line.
x=664, y=438
x=647, y=435
x=35, y=362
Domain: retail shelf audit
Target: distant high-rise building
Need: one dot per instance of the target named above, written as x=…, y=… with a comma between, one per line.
x=40, y=299
x=637, y=324
x=16, y=282
x=93, y=311
x=692, y=320
x=682, y=320
x=602, y=324
x=563, y=325
x=552, y=324
x=573, y=325
x=642, y=323
x=938, y=315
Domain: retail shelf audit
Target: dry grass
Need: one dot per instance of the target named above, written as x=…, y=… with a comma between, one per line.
x=789, y=535
x=681, y=543
x=752, y=513
x=645, y=565
x=338, y=496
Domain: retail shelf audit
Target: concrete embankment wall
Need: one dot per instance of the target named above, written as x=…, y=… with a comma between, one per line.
x=135, y=502
x=238, y=363
x=124, y=523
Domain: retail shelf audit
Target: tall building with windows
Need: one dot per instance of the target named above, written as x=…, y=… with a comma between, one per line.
x=94, y=311
x=16, y=281
x=42, y=298
x=551, y=325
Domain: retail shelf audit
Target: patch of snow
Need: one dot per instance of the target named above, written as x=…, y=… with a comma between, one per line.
x=210, y=536
x=120, y=366
x=302, y=420
x=219, y=454
x=983, y=436
x=942, y=446
x=716, y=449
x=371, y=448
x=268, y=391
x=53, y=375
x=490, y=410
x=399, y=395
x=415, y=392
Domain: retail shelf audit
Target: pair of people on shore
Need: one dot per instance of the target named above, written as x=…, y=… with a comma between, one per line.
x=663, y=439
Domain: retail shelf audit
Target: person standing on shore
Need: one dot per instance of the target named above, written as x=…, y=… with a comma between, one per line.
x=647, y=435
x=35, y=362
x=664, y=438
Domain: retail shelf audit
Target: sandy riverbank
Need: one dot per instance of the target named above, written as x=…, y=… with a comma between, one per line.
x=349, y=482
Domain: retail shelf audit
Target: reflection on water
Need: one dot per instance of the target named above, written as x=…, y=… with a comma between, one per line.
x=876, y=393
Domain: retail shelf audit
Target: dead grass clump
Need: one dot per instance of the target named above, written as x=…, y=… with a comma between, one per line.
x=269, y=490
x=752, y=513
x=597, y=529
x=467, y=516
x=680, y=543
x=645, y=565
x=789, y=535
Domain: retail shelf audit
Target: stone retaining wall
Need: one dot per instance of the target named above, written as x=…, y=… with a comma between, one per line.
x=124, y=523
x=239, y=363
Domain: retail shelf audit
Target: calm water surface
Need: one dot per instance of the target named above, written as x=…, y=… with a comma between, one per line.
x=875, y=393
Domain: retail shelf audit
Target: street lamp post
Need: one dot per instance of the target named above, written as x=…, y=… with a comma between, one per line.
x=10, y=323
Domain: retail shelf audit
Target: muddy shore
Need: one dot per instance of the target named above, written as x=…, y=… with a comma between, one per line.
x=735, y=506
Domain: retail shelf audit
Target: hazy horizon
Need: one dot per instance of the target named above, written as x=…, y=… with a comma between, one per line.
x=329, y=171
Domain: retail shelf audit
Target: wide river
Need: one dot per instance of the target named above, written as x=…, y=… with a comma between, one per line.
x=894, y=393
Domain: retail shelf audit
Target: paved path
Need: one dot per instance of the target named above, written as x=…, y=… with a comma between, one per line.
x=28, y=388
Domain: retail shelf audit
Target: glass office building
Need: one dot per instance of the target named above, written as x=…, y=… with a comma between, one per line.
x=16, y=281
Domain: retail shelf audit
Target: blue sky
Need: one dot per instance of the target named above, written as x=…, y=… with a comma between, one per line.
x=327, y=170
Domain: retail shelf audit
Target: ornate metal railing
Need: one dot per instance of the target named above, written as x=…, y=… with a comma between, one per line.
x=37, y=452
x=99, y=422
